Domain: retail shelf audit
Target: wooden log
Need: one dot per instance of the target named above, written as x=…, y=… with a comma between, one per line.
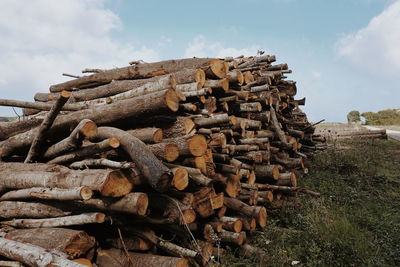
x=37, y=106
x=172, y=209
x=280, y=188
x=129, y=108
x=89, y=150
x=156, y=174
x=11, y=264
x=190, y=76
x=19, y=209
x=188, y=107
x=260, y=213
x=253, y=252
x=33, y=255
x=190, y=145
x=231, y=237
x=71, y=242
x=165, y=151
x=267, y=171
x=218, y=84
x=84, y=218
x=8, y=129
x=180, y=178
x=248, y=77
x=181, y=126
x=77, y=193
x=45, y=126
x=236, y=77
x=102, y=163
x=148, y=135
x=231, y=224
x=213, y=67
x=212, y=120
x=85, y=128
x=18, y=176
x=118, y=258
x=194, y=174
x=288, y=179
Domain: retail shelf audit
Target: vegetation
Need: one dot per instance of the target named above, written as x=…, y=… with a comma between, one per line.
x=353, y=116
x=356, y=222
x=383, y=117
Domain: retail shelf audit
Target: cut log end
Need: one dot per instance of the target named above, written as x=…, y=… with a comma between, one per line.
x=171, y=152
x=142, y=203
x=219, y=68
x=89, y=129
x=172, y=100
x=261, y=215
x=114, y=142
x=158, y=136
x=237, y=226
x=200, y=77
x=86, y=193
x=180, y=179
x=117, y=185
x=197, y=145
x=65, y=94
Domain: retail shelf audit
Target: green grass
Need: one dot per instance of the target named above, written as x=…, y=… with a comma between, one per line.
x=356, y=222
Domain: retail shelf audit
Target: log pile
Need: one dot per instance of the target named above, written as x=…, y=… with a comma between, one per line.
x=169, y=163
x=336, y=131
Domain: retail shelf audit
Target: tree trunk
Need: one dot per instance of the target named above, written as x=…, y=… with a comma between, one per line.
x=129, y=108
x=71, y=242
x=157, y=175
x=33, y=255
x=18, y=176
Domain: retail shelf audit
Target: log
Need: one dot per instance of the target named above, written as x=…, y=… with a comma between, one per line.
x=231, y=224
x=8, y=129
x=172, y=209
x=18, y=176
x=190, y=145
x=33, y=255
x=194, y=174
x=259, y=213
x=212, y=67
x=104, y=163
x=84, y=218
x=19, y=209
x=77, y=193
x=181, y=126
x=74, y=243
x=129, y=108
x=268, y=171
x=212, y=120
x=156, y=174
x=148, y=135
x=223, y=84
x=37, y=106
x=130, y=243
x=118, y=258
x=236, y=77
x=165, y=151
x=86, y=128
x=85, y=151
x=230, y=237
x=45, y=126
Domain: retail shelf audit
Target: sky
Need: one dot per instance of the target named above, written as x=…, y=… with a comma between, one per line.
x=344, y=54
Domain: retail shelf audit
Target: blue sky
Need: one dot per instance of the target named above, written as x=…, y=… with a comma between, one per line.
x=344, y=53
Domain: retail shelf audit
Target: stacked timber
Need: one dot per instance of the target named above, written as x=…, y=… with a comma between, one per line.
x=340, y=131
x=169, y=163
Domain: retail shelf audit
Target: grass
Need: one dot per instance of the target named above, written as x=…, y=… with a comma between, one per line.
x=356, y=222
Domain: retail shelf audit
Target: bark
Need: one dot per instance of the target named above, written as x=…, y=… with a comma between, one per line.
x=71, y=242
x=156, y=174
x=268, y=171
x=171, y=209
x=148, y=135
x=140, y=71
x=85, y=151
x=36, y=106
x=231, y=224
x=18, y=209
x=230, y=237
x=8, y=129
x=236, y=77
x=194, y=174
x=182, y=126
x=281, y=188
x=77, y=193
x=45, y=126
x=118, y=258
x=34, y=255
x=84, y=218
x=212, y=120
x=215, y=84
x=18, y=176
x=129, y=108
x=86, y=128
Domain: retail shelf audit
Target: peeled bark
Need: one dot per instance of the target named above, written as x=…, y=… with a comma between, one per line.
x=81, y=193
x=18, y=176
x=71, y=242
x=34, y=255
x=156, y=174
x=84, y=218
x=129, y=108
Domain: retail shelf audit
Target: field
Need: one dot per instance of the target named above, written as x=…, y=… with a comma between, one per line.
x=356, y=222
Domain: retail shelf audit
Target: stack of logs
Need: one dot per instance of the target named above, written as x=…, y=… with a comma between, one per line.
x=169, y=163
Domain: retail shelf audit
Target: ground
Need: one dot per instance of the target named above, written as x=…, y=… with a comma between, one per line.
x=356, y=222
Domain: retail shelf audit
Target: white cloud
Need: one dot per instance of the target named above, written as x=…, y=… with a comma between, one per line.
x=315, y=74
x=377, y=46
x=201, y=47
x=41, y=39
